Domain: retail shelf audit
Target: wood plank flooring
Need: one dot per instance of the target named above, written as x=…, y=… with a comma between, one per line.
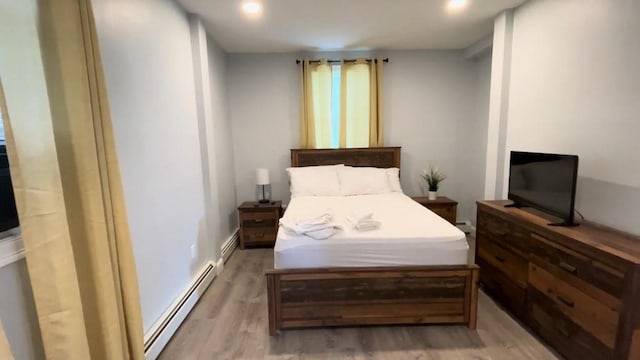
x=230, y=322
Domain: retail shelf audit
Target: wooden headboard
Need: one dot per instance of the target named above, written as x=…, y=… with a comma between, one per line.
x=380, y=157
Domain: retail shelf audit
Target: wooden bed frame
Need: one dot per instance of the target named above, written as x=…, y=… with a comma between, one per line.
x=352, y=296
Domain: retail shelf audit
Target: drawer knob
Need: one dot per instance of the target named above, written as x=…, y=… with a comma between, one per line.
x=567, y=267
x=259, y=220
x=568, y=303
x=501, y=259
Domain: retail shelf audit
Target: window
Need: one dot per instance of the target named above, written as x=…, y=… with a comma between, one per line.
x=341, y=104
x=1, y=129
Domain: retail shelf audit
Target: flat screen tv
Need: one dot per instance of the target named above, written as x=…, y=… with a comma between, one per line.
x=8, y=213
x=546, y=182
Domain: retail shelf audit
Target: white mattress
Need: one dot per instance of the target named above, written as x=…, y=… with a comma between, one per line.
x=410, y=235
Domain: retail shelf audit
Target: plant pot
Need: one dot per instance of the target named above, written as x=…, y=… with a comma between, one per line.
x=432, y=195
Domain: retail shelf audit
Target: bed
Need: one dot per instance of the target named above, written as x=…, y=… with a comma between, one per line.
x=400, y=274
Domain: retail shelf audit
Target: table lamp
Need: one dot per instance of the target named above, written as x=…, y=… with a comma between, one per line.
x=263, y=188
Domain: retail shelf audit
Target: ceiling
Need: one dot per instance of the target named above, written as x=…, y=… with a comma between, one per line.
x=329, y=25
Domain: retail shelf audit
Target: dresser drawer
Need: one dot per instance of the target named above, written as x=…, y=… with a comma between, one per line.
x=598, y=318
x=501, y=288
x=509, y=235
x=567, y=337
x=600, y=275
x=514, y=266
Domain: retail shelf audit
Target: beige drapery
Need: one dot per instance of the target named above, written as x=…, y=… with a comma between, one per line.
x=70, y=199
x=5, y=351
x=361, y=104
x=315, y=124
x=361, y=122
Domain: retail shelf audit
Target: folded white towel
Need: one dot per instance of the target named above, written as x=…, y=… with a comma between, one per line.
x=318, y=227
x=362, y=220
x=368, y=225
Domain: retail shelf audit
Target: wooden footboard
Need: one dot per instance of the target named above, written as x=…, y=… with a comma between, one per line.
x=300, y=298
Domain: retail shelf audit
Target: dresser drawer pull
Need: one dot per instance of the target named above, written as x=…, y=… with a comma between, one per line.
x=258, y=220
x=568, y=268
x=565, y=301
x=501, y=259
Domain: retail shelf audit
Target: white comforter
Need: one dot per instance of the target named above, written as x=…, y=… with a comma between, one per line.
x=409, y=234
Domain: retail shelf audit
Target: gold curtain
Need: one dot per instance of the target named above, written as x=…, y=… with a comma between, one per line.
x=315, y=124
x=361, y=104
x=376, y=101
x=5, y=351
x=70, y=199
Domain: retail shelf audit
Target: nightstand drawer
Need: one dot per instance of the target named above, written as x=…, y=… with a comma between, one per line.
x=599, y=275
x=265, y=222
x=446, y=212
x=597, y=318
x=259, y=236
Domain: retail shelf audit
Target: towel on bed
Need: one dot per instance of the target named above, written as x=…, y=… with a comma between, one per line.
x=317, y=227
x=362, y=220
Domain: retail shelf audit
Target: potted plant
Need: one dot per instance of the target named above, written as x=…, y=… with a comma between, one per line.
x=433, y=177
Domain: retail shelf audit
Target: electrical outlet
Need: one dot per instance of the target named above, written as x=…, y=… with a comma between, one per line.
x=193, y=251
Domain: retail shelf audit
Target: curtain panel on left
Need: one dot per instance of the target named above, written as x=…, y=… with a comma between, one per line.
x=68, y=188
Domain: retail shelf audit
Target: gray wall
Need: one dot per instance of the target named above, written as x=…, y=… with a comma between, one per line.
x=575, y=88
x=18, y=312
x=429, y=108
x=149, y=66
x=473, y=147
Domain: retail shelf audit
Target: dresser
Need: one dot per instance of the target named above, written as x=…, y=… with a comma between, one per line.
x=259, y=223
x=576, y=287
x=442, y=206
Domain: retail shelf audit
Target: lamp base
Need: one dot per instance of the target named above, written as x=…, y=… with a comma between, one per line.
x=264, y=201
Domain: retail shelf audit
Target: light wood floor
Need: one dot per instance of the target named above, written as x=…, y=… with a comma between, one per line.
x=230, y=322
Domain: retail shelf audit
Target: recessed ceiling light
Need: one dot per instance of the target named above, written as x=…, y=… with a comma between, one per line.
x=252, y=7
x=457, y=4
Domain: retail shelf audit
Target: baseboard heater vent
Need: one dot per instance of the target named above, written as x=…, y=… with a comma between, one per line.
x=465, y=226
x=229, y=246
x=179, y=311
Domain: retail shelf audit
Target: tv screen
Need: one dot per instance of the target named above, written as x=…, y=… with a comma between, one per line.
x=544, y=181
x=8, y=213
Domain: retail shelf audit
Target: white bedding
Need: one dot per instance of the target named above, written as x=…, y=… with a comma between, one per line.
x=410, y=234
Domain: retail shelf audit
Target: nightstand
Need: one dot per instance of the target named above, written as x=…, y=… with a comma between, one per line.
x=442, y=206
x=259, y=223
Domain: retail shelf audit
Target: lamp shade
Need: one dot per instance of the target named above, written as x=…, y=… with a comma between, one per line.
x=262, y=176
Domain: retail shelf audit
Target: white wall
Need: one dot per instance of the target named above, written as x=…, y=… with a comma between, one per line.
x=148, y=61
x=18, y=313
x=223, y=152
x=25, y=91
x=574, y=88
x=429, y=96
x=473, y=148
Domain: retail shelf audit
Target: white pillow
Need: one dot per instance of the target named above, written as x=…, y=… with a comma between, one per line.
x=314, y=180
x=394, y=179
x=363, y=180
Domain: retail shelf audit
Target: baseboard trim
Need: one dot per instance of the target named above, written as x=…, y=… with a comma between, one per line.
x=161, y=332
x=11, y=248
x=230, y=245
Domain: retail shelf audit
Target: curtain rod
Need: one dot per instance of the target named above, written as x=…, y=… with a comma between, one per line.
x=298, y=61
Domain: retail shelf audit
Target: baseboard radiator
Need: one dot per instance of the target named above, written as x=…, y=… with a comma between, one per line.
x=160, y=334
x=229, y=246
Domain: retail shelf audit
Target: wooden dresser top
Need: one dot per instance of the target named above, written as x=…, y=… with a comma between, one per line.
x=623, y=245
